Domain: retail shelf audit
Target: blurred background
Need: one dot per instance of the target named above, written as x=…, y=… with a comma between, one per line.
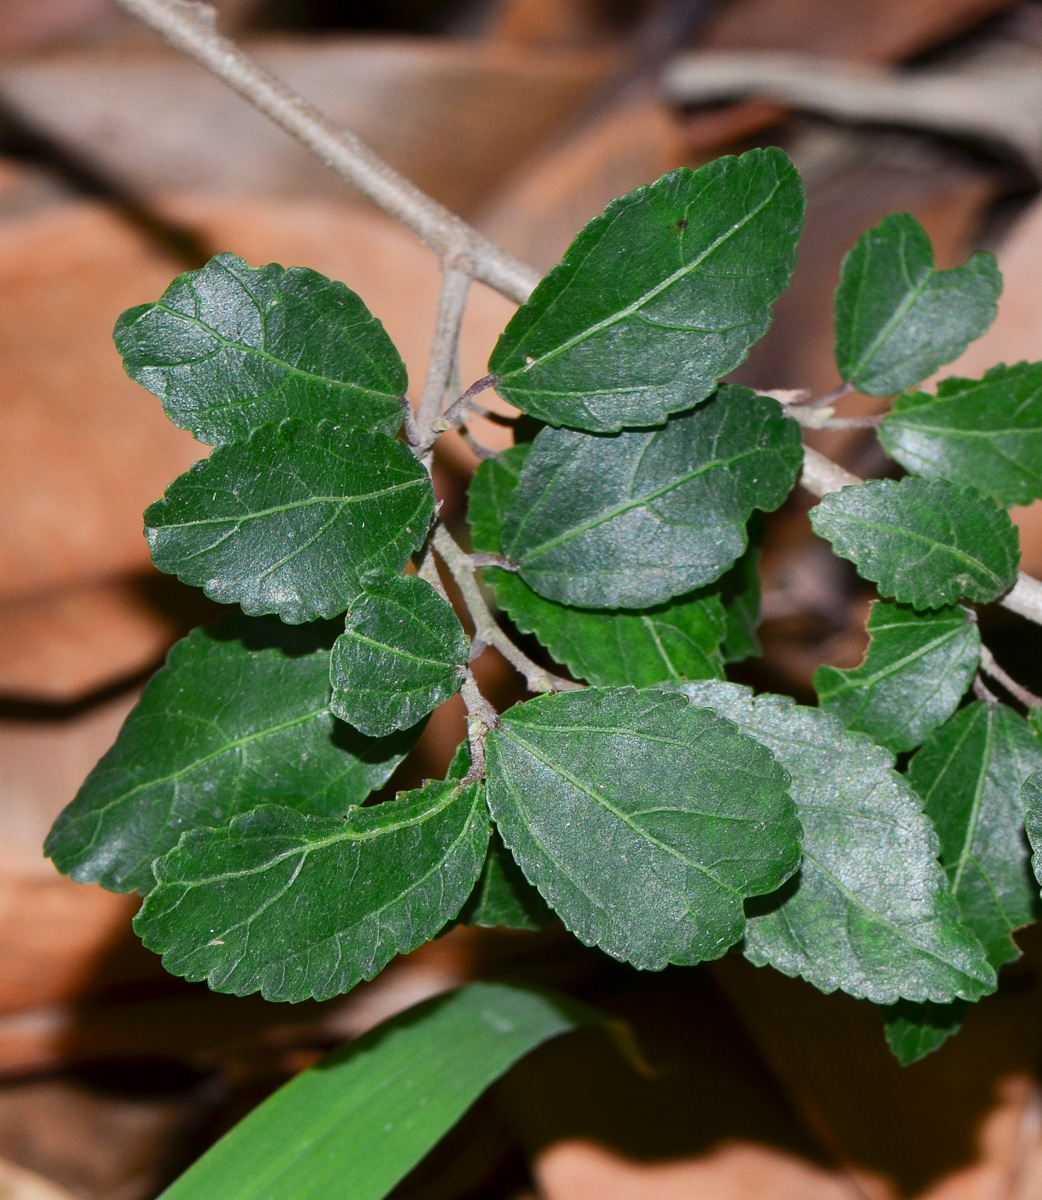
x=121, y=165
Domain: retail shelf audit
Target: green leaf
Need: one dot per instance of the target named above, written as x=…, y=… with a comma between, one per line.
x=869, y=911
x=293, y=520
x=239, y=716
x=916, y=671
x=677, y=640
x=970, y=774
x=656, y=299
x=643, y=821
x=636, y=519
x=984, y=432
x=897, y=317
x=402, y=653
x=1031, y=797
x=926, y=543
x=915, y=1030
x=229, y=348
x=299, y=907
x=359, y=1121
x=739, y=591
x=503, y=896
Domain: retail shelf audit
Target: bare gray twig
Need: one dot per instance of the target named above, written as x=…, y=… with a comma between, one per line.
x=455, y=287
x=187, y=27
x=990, y=667
x=459, y=563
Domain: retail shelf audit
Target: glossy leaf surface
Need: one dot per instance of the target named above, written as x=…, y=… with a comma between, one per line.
x=656, y=299
x=359, y=1121
x=642, y=820
x=916, y=671
x=293, y=520
x=678, y=640
x=970, y=774
x=926, y=543
x=984, y=432
x=298, y=907
x=869, y=911
x=897, y=317
x=403, y=652
x=633, y=520
x=239, y=716
x=230, y=347
x=915, y=1030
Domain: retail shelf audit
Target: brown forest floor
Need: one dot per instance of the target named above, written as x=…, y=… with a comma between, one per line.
x=120, y=165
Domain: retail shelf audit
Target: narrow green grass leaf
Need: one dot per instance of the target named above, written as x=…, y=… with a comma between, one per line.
x=970, y=774
x=229, y=348
x=869, y=911
x=926, y=543
x=299, y=908
x=359, y=1121
x=915, y=1030
x=403, y=651
x=294, y=519
x=677, y=640
x=898, y=319
x=983, y=432
x=633, y=520
x=656, y=299
x=916, y=671
x=238, y=716
x=644, y=822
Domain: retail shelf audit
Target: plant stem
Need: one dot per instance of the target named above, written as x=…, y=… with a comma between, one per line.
x=189, y=27
x=821, y=475
x=458, y=561
x=456, y=413
x=990, y=667
x=457, y=273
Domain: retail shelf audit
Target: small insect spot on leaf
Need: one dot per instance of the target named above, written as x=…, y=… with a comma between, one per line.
x=682, y=224
x=217, y=942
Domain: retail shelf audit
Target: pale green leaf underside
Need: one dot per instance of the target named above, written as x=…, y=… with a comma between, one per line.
x=229, y=348
x=239, y=716
x=678, y=640
x=1031, y=798
x=637, y=519
x=983, y=432
x=643, y=821
x=916, y=671
x=926, y=543
x=359, y=1121
x=970, y=774
x=656, y=299
x=898, y=319
x=915, y=1030
x=299, y=908
x=293, y=520
x=403, y=651
x=869, y=911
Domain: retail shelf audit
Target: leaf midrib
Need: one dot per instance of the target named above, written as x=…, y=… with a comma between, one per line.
x=256, y=352
x=294, y=506
x=624, y=818
x=638, y=502
x=647, y=297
